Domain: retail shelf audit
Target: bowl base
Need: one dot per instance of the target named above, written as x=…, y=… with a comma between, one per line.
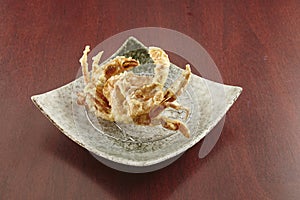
x=135, y=169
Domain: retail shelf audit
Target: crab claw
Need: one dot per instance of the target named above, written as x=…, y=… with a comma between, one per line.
x=162, y=62
x=173, y=125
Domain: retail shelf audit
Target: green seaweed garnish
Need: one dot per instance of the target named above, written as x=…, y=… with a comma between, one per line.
x=141, y=55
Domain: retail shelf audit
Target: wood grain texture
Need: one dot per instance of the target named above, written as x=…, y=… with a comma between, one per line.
x=255, y=44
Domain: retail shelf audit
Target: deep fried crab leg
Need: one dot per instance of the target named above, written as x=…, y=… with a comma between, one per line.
x=92, y=95
x=160, y=100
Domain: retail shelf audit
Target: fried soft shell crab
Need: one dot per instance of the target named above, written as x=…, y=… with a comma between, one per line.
x=115, y=94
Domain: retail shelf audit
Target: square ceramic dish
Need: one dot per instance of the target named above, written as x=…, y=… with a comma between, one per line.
x=137, y=148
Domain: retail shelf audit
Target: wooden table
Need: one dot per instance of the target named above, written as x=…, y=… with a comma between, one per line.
x=255, y=44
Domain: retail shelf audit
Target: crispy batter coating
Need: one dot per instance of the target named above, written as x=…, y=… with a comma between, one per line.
x=115, y=94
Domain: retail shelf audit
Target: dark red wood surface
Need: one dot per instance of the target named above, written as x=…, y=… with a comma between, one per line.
x=255, y=44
